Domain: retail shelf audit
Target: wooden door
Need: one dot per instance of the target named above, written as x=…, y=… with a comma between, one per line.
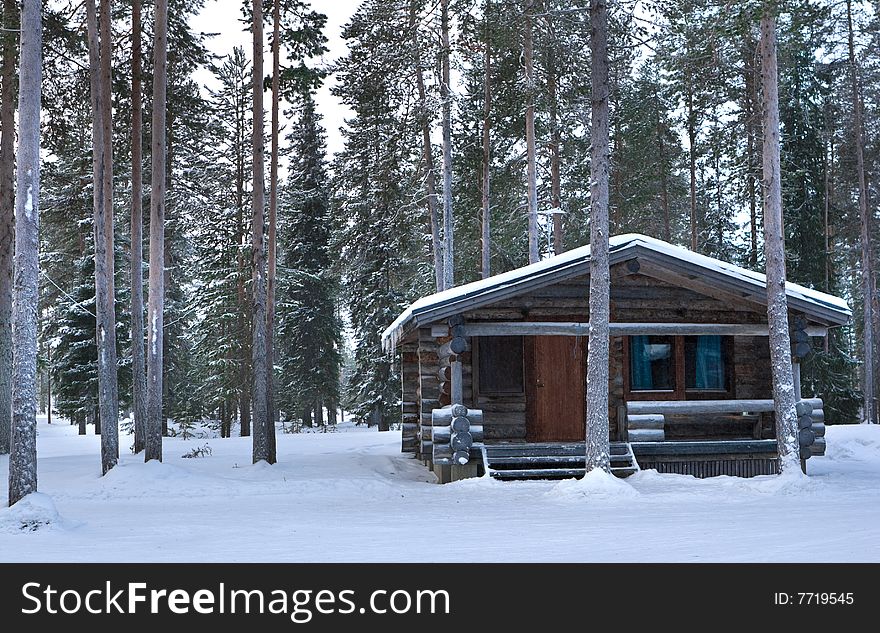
x=555, y=391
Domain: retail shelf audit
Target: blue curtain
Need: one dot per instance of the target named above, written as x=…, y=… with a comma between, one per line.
x=709, y=363
x=640, y=362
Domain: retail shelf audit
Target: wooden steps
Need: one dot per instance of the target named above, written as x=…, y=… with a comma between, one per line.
x=551, y=460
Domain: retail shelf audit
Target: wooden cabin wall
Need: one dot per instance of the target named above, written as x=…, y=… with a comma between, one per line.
x=409, y=370
x=429, y=379
x=634, y=298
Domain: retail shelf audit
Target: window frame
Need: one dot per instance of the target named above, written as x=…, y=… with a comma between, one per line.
x=475, y=371
x=680, y=392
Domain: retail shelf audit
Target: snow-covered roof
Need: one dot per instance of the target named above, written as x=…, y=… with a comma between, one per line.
x=574, y=263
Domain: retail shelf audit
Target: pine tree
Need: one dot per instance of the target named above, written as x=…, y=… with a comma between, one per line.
x=309, y=330
x=373, y=198
x=23, y=453
x=7, y=213
x=100, y=48
x=774, y=253
x=139, y=376
x=156, y=304
x=598, y=452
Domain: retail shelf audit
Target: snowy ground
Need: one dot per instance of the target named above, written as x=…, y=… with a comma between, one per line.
x=351, y=496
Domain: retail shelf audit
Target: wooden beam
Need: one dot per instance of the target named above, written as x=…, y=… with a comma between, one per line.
x=692, y=407
x=555, y=328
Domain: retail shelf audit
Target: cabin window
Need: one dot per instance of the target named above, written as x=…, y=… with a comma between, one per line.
x=500, y=363
x=704, y=363
x=652, y=363
x=678, y=365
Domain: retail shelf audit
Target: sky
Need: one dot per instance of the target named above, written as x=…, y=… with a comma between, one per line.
x=222, y=17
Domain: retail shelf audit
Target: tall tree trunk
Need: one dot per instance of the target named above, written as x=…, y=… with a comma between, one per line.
x=867, y=263
x=273, y=220
x=48, y=383
x=555, y=142
x=774, y=254
x=531, y=169
x=597, y=433
x=319, y=413
x=259, y=368
x=138, y=369
x=428, y=152
x=100, y=50
x=692, y=162
x=8, y=77
x=156, y=307
x=751, y=114
x=23, y=455
x=244, y=304
x=664, y=186
x=486, y=215
x=446, y=107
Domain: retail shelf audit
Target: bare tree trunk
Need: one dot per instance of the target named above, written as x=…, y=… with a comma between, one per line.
x=100, y=48
x=273, y=220
x=428, y=152
x=48, y=383
x=156, y=307
x=867, y=264
x=8, y=77
x=138, y=369
x=555, y=142
x=446, y=106
x=774, y=254
x=319, y=413
x=597, y=433
x=692, y=163
x=244, y=306
x=751, y=101
x=23, y=455
x=486, y=215
x=664, y=186
x=261, y=448
x=531, y=169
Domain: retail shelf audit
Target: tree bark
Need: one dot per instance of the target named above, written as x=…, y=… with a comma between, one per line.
x=244, y=305
x=259, y=366
x=8, y=78
x=446, y=107
x=867, y=263
x=774, y=254
x=531, y=169
x=48, y=383
x=597, y=432
x=138, y=369
x=692, y=162
x=664, y=186
x=555, y=142
x=100, y=51
x=486, y=215
x=23, y=455
x=751, y=100
x=156, y=301
x=273, y=219
x=428, y=153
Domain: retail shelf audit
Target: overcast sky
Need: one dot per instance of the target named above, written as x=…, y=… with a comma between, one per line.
x=222, y=17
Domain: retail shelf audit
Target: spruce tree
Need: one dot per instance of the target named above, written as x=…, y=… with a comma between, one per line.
x=309, y=329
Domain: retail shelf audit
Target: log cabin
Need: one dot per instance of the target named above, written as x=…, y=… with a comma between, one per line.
x=493, y=372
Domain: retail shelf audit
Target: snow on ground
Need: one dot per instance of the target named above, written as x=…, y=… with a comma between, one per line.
x=351, y=496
